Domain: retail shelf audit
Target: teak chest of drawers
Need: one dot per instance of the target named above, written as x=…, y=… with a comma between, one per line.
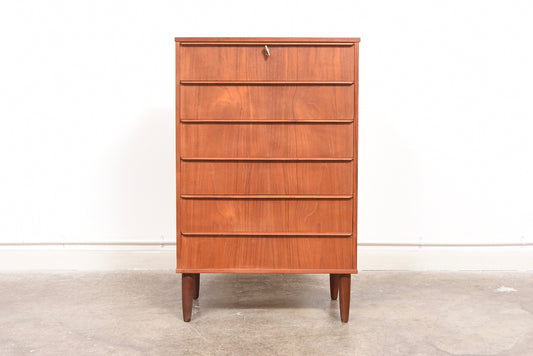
x=266, y=159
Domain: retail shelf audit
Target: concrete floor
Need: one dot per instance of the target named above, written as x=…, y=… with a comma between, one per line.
x=392, y=313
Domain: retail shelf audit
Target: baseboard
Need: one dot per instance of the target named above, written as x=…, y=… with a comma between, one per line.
x=153, y=256
x=446, y=258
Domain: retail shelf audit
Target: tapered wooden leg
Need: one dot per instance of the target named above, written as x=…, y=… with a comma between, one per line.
x=196, y=286
x=187, y=292
x=334, y=285
x=344, y=296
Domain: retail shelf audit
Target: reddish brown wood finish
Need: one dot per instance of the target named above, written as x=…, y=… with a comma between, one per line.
x=334, y=285
x=266, y=158
x=220, y=177
x=266, y=82
x=344, y=296
x=196, y=279
x=355, y=154
x=315, y=41
x=266, y=216
x=178, y=158
x=278, y=102
x=267, y=140
x=280, y=254
x=187, y=293
x=237, y=62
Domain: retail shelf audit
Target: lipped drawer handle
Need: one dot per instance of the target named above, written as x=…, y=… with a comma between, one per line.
x=267, y=51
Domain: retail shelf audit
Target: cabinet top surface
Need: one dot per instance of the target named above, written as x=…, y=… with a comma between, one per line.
x=267, y=39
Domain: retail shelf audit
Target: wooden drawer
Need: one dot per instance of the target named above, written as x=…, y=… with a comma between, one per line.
x=215, y=177
x=249, y=62
x=278, y=255
x=267, y=140
x=267, y=102
x=269, y=216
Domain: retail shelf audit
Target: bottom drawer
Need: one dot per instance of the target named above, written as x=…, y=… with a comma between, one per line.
x=266, y=254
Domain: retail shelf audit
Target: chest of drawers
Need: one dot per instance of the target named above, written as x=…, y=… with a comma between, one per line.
x=266, y=159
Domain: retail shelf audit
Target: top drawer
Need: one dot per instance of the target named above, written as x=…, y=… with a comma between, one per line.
x=320, y=62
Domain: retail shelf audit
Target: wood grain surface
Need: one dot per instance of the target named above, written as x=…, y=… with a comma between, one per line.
x=250, y=63
x=267, y=140
x=215, y=41
x=266, y=159
x=220, y=177
x=356, y=156
x=289, y=102
x=267, y=215
x=178, y=158
x=257, y=126
x=257, y=254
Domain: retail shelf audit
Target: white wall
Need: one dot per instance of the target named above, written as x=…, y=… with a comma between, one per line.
x=87, y=110
x=446, y=120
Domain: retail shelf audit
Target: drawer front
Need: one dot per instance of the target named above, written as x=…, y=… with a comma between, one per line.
x=267, y=140
x=249, y=62
x=290, y=253
x=266, y=177
x=272, y=216
x=267, y=102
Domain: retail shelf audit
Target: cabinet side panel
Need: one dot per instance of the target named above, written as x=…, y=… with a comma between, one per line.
x=178, y=160
x=355, y=153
